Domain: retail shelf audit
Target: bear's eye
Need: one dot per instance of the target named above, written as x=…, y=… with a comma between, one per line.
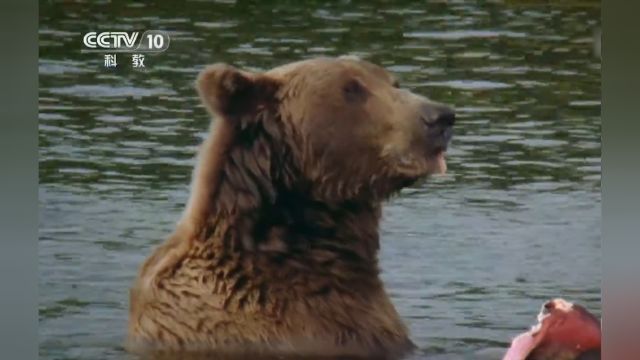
x=354, y=90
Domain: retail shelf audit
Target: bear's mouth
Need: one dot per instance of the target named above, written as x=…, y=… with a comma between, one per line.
x=438, y=138
x=431, y=159
x=438, y=162
x=436, y=159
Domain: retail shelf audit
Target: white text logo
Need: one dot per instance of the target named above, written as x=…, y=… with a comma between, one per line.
x=110, y=40
x=151, y=41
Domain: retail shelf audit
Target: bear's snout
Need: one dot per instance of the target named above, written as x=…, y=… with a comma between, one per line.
x=437, y=115
x=438, y=122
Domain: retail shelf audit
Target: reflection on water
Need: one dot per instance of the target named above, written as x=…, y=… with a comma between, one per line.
x=467, y=258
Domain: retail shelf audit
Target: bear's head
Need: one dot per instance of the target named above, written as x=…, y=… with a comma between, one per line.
x=335, y=129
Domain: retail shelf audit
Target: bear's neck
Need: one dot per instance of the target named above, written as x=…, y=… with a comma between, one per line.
x=245, y=198
x=293, y=223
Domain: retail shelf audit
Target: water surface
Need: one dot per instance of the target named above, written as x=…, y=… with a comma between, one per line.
x=467, y=258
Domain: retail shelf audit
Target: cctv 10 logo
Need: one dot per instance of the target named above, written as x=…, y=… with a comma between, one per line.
x=122, y=41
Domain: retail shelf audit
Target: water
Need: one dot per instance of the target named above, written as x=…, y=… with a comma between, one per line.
x=468, y=258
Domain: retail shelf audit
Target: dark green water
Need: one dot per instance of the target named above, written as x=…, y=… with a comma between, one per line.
x=468, y=258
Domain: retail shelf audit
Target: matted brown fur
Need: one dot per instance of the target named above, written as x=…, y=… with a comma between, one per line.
x=276, y=252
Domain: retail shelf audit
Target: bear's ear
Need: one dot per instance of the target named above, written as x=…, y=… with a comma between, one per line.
x=229, y=92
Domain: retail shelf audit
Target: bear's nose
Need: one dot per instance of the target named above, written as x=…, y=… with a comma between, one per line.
x=438, y=115
x=446, y=117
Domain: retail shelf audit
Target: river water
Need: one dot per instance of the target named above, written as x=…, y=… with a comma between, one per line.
x=468, y=258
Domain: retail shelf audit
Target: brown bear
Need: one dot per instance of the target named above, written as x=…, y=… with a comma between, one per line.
x=276, y=252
